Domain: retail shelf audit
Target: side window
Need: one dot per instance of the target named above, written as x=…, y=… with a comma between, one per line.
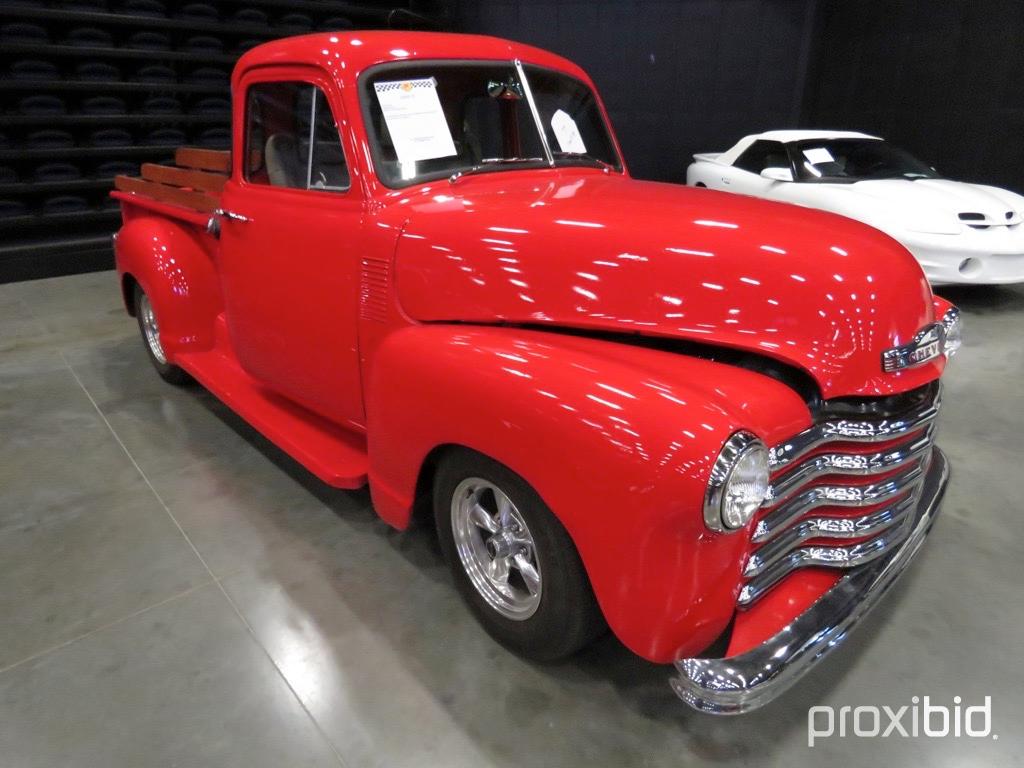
x=761, y=155
x=292, y=138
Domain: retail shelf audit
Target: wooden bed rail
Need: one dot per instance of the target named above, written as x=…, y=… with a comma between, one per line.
x=194, y=181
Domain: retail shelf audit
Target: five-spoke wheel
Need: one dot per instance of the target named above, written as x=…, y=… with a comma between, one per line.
x=150, y=329
x=496, y=548
x=513, y=562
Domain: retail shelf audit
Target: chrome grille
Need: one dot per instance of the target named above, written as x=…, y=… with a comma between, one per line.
x=843, y=493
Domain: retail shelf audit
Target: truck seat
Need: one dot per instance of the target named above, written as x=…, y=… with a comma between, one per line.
x=282, y=158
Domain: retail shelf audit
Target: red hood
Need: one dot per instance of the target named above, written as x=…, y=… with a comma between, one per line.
x=589, y=250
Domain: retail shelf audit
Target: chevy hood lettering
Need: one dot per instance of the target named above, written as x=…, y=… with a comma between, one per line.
x=592, y=251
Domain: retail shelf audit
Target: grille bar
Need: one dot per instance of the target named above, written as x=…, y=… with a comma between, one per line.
x=808, y=522
x=830, y=527
x=851, y=464
x=776, y=521
x=850, y=430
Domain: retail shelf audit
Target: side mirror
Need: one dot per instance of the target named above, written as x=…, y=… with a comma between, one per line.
x=777, y=174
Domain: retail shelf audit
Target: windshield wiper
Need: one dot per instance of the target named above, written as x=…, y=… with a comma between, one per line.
x=489, y=162
x=605, y=166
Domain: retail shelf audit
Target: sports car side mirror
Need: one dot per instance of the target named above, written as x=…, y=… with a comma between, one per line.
x=777, y=174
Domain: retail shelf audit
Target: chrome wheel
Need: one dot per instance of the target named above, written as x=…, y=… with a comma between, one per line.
x=150, y=329
x=496, y=548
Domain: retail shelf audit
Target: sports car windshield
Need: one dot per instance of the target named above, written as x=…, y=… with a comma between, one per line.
x=850, y=160
x=430, y=120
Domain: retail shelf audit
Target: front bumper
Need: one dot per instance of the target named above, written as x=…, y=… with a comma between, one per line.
x=745, y=682
x=980, y=258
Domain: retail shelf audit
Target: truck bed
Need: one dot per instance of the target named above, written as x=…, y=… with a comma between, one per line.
x=194, y=182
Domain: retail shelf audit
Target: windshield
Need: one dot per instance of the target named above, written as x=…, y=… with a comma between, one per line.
x=429, y=120
x=852, y=160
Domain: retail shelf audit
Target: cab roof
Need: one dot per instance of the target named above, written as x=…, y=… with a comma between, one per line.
x=347, y=54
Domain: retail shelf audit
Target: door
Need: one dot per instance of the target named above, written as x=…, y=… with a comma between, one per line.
x=289, y=253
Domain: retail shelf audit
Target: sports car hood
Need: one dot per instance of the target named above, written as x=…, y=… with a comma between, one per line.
x=935, y=205
x=608, y=253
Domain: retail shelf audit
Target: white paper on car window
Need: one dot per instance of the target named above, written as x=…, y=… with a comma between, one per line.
x=415, y=119
x=817, y=155
x=566, y=132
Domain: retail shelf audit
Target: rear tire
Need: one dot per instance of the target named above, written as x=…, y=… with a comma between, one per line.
x=150, y=330
x=512, y=560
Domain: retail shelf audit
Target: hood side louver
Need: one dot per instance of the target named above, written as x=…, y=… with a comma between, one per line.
x=374, y=279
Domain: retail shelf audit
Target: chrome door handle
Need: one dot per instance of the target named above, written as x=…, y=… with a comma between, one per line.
x=231, y=215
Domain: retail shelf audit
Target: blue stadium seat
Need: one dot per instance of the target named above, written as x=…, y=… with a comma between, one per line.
x=154, y=73
x=111, y=168
x=49, y=138
x=111, y=137
x=23, y=32
x=103, y=105
x=150, y=8
x=166, y=137
x=56, y=172
x=215, y=138
x=42, y=104
x=207, y=75
x=336, y=24
x=150, y=41
x=64, y=204
x=212, y=105
x=203, y=11
x=33, y=69
x=11, y=208
x=250, y=16
x=295, y=22
x=161, y=105
x=203, y=44
x=97, y=71
x=90, y=37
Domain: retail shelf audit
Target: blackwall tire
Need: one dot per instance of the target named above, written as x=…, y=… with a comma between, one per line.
x=150, y=330
x=539, y=603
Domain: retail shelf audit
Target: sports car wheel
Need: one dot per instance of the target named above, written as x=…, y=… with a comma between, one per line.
x=150, y=329
x=512, y=560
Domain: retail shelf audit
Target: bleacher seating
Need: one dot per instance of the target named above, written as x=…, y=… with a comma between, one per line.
x=89, y=89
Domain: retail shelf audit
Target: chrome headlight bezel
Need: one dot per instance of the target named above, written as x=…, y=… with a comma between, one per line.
x=953, y=332
x=720, y=511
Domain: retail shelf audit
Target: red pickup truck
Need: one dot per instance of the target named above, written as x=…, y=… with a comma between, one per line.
x=701, y=420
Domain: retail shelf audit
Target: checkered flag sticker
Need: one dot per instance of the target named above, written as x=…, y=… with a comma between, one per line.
x=405, y=85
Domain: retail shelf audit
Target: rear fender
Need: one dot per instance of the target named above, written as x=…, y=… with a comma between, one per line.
x=616, y=439
x=172, y=262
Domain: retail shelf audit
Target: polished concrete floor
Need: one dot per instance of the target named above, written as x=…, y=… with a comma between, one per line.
x=175, y=591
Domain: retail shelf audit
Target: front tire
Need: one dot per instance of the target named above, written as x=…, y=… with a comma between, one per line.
x=150, y=330
x=512, y=560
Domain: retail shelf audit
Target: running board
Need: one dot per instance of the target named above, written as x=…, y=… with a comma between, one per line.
x=335, y=455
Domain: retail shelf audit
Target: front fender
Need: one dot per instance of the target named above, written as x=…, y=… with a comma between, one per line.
x=172, y=262
x=617, y=439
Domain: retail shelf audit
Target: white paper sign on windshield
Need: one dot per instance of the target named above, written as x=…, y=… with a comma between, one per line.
x=567, y=134
x=817, y=155
x=415, y=119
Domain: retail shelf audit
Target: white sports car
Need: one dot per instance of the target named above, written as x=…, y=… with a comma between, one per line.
x=959, y=232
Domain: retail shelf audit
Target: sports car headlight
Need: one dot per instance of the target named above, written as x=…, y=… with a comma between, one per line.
x=738, y=484
x=954, y=327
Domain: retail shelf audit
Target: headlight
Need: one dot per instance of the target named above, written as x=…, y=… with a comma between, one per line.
x=738, y=484
x=954, y=336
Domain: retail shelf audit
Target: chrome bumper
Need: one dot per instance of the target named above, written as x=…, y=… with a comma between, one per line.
x=738, y=684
